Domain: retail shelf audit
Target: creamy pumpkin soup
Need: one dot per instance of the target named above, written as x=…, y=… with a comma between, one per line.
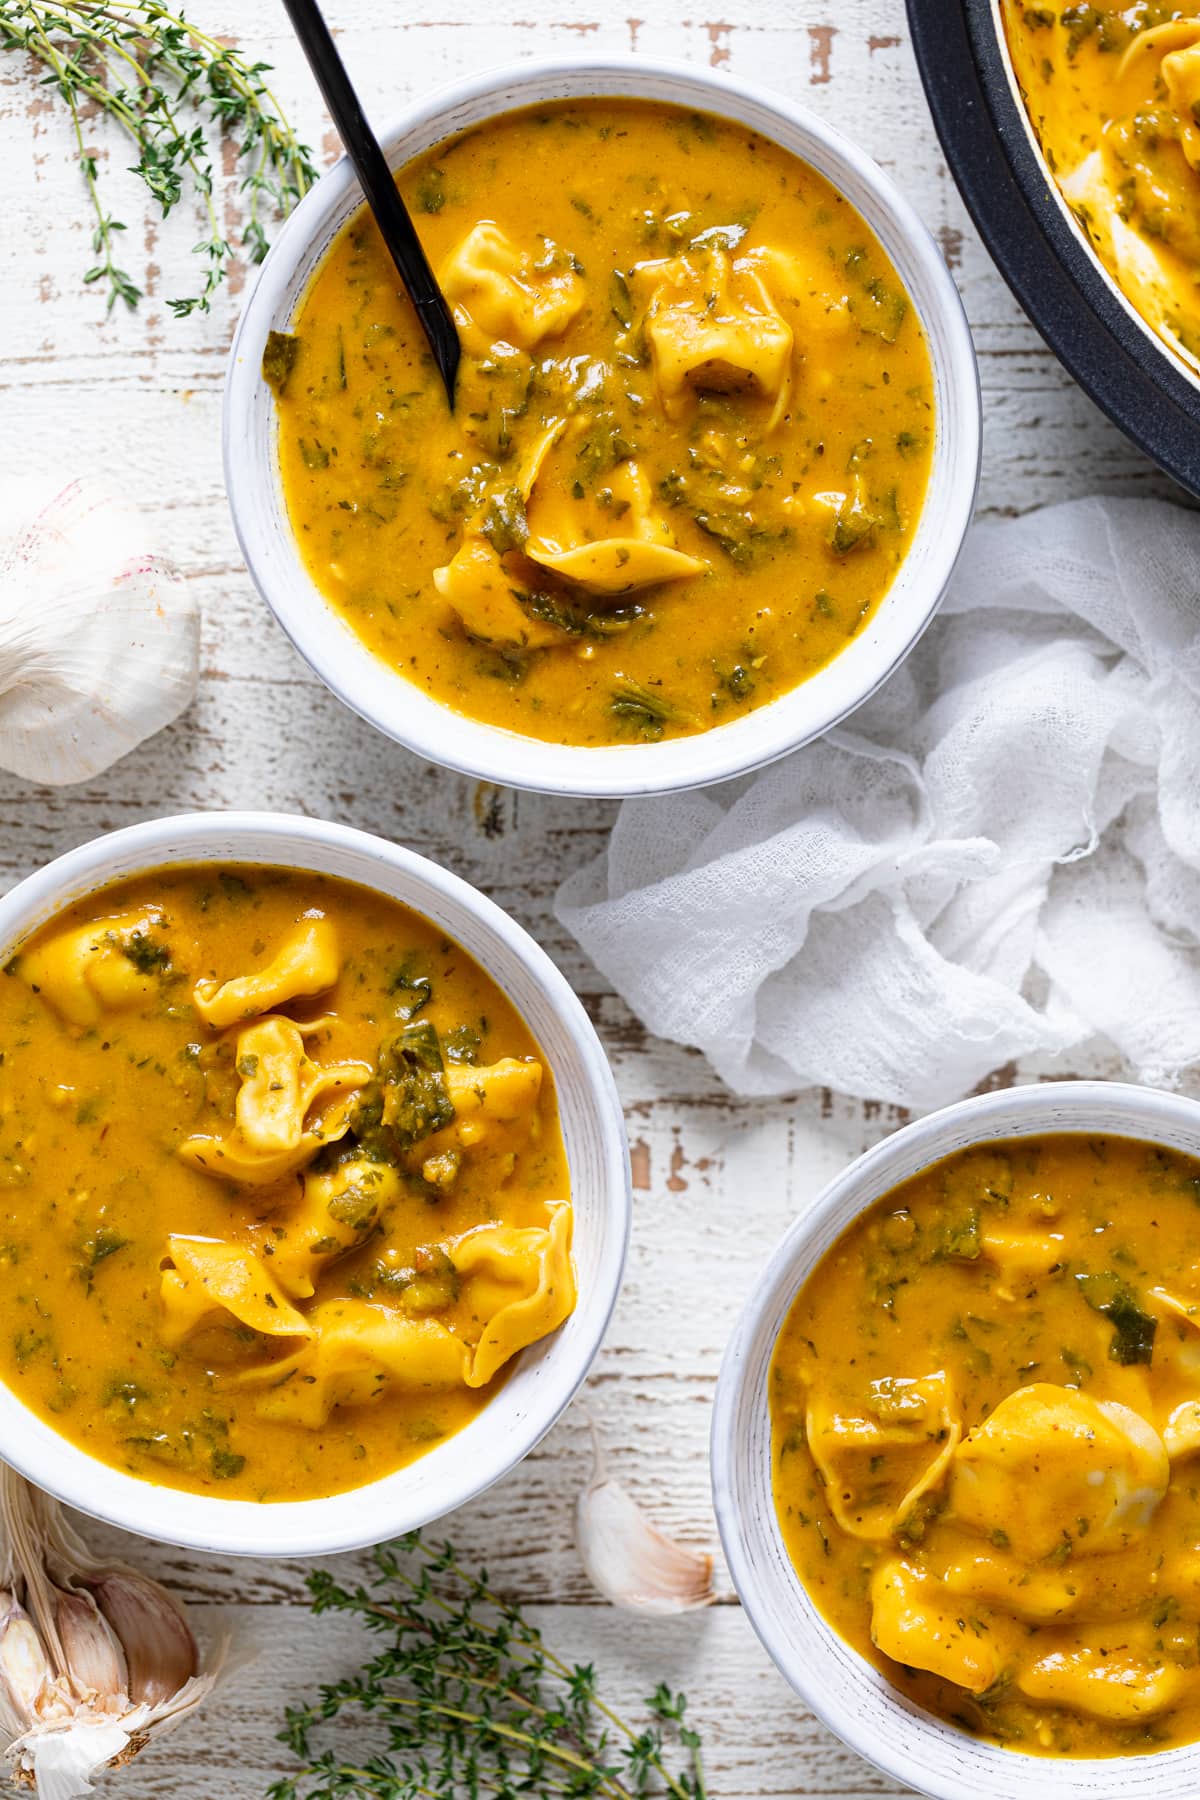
x=282, y=1186
x=985, y=1413
x=1113, y=93
x=691, y=441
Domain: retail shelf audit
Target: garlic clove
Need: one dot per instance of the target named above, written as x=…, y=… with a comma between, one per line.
x=26, y=1674
x=94, y=1656
x=99, y=638
x=628, y=1559
x=160, y=1651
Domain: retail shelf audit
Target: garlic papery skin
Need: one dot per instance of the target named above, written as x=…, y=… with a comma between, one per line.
x=99, y=638
x=63, y=1762
x=628, y=1559
x=96, y=1660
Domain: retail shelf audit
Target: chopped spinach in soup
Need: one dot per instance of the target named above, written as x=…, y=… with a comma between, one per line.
x=1113, y=93
x=691, y=441
x=282, y=1186
x=985, y=1409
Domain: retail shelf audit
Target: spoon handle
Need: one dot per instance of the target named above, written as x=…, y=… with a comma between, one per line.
x=391, y=214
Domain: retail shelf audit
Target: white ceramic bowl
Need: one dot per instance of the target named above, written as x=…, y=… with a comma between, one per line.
x=854, y=1699
x=401, y=710
x=547, y=1374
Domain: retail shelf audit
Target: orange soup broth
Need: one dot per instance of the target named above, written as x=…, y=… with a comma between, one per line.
x=907, y=1290
x=376, y=470
x=91, y=1185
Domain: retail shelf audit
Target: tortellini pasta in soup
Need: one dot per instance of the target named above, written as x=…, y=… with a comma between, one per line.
x=503, y=295
x=986, y=1424
x=691, y=438
x=1112, y=92
x=283, y=1184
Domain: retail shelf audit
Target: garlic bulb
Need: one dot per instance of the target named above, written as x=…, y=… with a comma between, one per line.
x=628, y=1559
x=95, y=1659
x=99, y=638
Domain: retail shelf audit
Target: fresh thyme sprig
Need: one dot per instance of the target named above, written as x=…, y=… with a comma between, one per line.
x=171, y=87
x=468, y=1700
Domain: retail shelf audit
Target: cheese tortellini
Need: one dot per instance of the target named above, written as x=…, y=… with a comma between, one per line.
x=912, y=1623
x=521, y=1288
x=576, y=541
x=1050, y=1474
x=276, y=1132
x=487, y=1095
x=209, y=1281
x=881, y=1461
x=114, y=965
x=305, y=963
x=280, y=1085
x=477, y=585
x=504, y=294
x=1181, y=73
x=1122, y=1685
x=338, y=1208
x=712, y=325
x=287, y=1187
x=1015, y=1537
x=496, y=1291
x=1059, y=1461
x=357, y=1351
x=607, y=546
x=1113, y=94
x=338, y=1149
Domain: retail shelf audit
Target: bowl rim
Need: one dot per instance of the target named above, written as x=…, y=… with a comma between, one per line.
x=864, y=1725
x=1053, y=272
x=434, y=730
x=296, y=1527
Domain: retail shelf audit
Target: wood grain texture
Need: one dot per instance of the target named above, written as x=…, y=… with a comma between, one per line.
x=717, y=1179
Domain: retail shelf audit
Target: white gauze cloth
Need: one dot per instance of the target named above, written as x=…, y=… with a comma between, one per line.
x=998, y=854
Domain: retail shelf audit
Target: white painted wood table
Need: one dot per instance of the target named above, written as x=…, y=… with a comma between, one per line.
x=717, y=1179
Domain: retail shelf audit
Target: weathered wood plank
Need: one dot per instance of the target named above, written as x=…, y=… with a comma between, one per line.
x=758, y=1743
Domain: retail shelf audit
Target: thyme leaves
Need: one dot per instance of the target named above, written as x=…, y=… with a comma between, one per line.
x=469, y=1699
x=178, y=93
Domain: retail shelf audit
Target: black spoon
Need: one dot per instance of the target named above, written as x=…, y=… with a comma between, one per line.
x=391, y=214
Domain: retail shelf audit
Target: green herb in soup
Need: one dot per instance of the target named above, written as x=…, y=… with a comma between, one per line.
x=282, y=1187
x=691, y=442
x=1113, y=93
x=986, y=1435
